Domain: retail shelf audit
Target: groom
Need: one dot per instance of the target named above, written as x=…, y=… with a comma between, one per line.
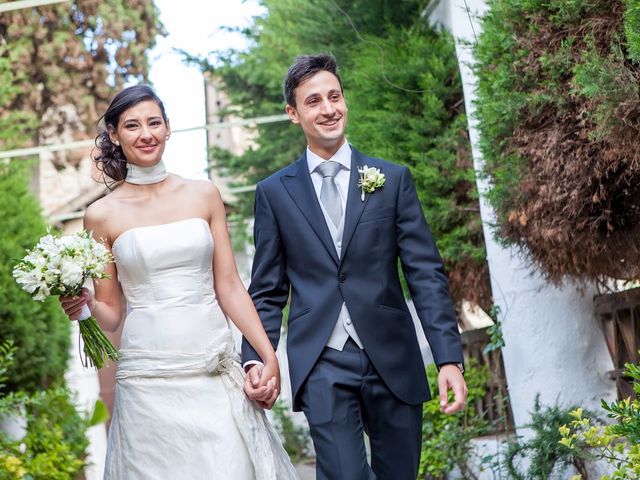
x=354, y=358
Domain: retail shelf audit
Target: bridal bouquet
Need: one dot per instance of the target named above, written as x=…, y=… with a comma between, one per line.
x=59, y=265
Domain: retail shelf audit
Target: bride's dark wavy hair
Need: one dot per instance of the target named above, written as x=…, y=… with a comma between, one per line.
x=109, y=157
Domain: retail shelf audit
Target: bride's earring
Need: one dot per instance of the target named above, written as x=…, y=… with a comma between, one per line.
x=116, y=143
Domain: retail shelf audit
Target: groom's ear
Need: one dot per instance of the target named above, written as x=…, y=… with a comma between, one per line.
x=293, y=114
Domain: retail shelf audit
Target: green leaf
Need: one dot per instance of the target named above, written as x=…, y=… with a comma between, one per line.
x=99, y=415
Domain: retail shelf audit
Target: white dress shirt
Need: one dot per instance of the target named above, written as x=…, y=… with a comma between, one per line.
x=344, y=327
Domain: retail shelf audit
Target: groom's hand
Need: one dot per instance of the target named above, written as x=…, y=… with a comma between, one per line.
x=261, y=388
x=450, y=378
x=271, y=375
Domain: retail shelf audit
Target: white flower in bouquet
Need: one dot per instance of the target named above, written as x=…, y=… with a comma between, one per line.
x=71, y=272
x=59, y=266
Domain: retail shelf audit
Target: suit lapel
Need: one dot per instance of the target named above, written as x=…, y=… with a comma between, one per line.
x=355, y=205
x=299, y=186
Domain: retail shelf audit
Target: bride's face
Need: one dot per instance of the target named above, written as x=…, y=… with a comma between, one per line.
x=142, y=133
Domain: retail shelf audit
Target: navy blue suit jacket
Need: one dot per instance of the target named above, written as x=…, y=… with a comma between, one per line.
x=296, y=255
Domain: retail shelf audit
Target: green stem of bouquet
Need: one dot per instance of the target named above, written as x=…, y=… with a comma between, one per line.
x=97, y=347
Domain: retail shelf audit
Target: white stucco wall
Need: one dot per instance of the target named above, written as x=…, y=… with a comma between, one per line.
x=553, y=344
x=83, y=382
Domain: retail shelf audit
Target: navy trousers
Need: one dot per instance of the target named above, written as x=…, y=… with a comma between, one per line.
x=343, y=398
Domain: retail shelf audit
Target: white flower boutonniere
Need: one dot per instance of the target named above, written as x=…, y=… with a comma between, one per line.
x=370, y=179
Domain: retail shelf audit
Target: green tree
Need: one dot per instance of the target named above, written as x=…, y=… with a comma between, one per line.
x=74, y=54
x=15, y=126
x=253, y=78
x=403, y=89
x=40, y=331
x=407, y=106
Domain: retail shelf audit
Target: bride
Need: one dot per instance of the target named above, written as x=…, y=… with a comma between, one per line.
x=180, y=410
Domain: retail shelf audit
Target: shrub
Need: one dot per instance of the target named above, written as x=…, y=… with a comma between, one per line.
x=55, y=441
x=40, y=331
x=559, y=116
x=618, y=443
x=542, y=448
x=446, y=439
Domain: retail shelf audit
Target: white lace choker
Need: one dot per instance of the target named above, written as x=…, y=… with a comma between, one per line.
x=146, y=175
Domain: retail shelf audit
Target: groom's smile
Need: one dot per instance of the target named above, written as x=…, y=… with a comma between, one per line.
x=321, y=111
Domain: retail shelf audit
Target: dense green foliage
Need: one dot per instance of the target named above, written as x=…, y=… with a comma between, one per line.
x=40, y=331
x=403, y=90
x=72, y=54
x=253, y=78
x=559, y=113
x=446, y=439
x=15, y=126
x=54, y=444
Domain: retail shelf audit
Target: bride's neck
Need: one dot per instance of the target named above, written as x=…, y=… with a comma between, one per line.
x=146, y=175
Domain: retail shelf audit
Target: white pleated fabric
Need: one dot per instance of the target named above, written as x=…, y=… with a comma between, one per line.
x=180, y=411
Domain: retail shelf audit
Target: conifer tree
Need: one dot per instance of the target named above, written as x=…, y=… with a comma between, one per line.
x=74, y=53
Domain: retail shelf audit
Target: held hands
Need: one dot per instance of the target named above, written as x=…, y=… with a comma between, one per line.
x=450, y=378
x=262, y=383
x=73, y=305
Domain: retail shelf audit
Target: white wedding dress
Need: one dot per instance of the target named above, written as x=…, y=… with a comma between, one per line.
x=180, y=412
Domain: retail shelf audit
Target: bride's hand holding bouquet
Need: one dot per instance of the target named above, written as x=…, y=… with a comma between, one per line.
x=59, y=265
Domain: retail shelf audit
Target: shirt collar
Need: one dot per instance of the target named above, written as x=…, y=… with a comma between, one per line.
x=342, y=156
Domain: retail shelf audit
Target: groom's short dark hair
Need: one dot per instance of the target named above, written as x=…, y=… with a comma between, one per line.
x=304, y=67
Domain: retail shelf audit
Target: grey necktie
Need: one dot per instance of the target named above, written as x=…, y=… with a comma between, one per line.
x=329, y=195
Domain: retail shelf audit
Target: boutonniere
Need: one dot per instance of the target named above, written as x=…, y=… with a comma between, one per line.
x=370, y=179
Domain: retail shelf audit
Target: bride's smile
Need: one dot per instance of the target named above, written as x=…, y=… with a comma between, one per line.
x=142, y=133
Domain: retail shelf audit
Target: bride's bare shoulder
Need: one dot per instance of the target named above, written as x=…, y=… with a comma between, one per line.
x=97, y=215
x=202, y=188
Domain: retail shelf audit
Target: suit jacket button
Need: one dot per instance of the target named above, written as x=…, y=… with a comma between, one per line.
x=342, y=278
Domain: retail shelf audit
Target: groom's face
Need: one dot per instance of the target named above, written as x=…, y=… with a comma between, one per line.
x=321, y=112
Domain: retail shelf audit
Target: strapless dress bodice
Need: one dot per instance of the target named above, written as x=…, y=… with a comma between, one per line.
x=167, y=279
x=179, y=407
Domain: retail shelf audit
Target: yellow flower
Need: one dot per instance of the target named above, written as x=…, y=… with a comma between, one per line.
x=14, y=465
x=577, y=413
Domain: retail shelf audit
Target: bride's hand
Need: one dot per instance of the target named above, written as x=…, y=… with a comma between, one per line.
x=72, y=305
x=262, y=383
